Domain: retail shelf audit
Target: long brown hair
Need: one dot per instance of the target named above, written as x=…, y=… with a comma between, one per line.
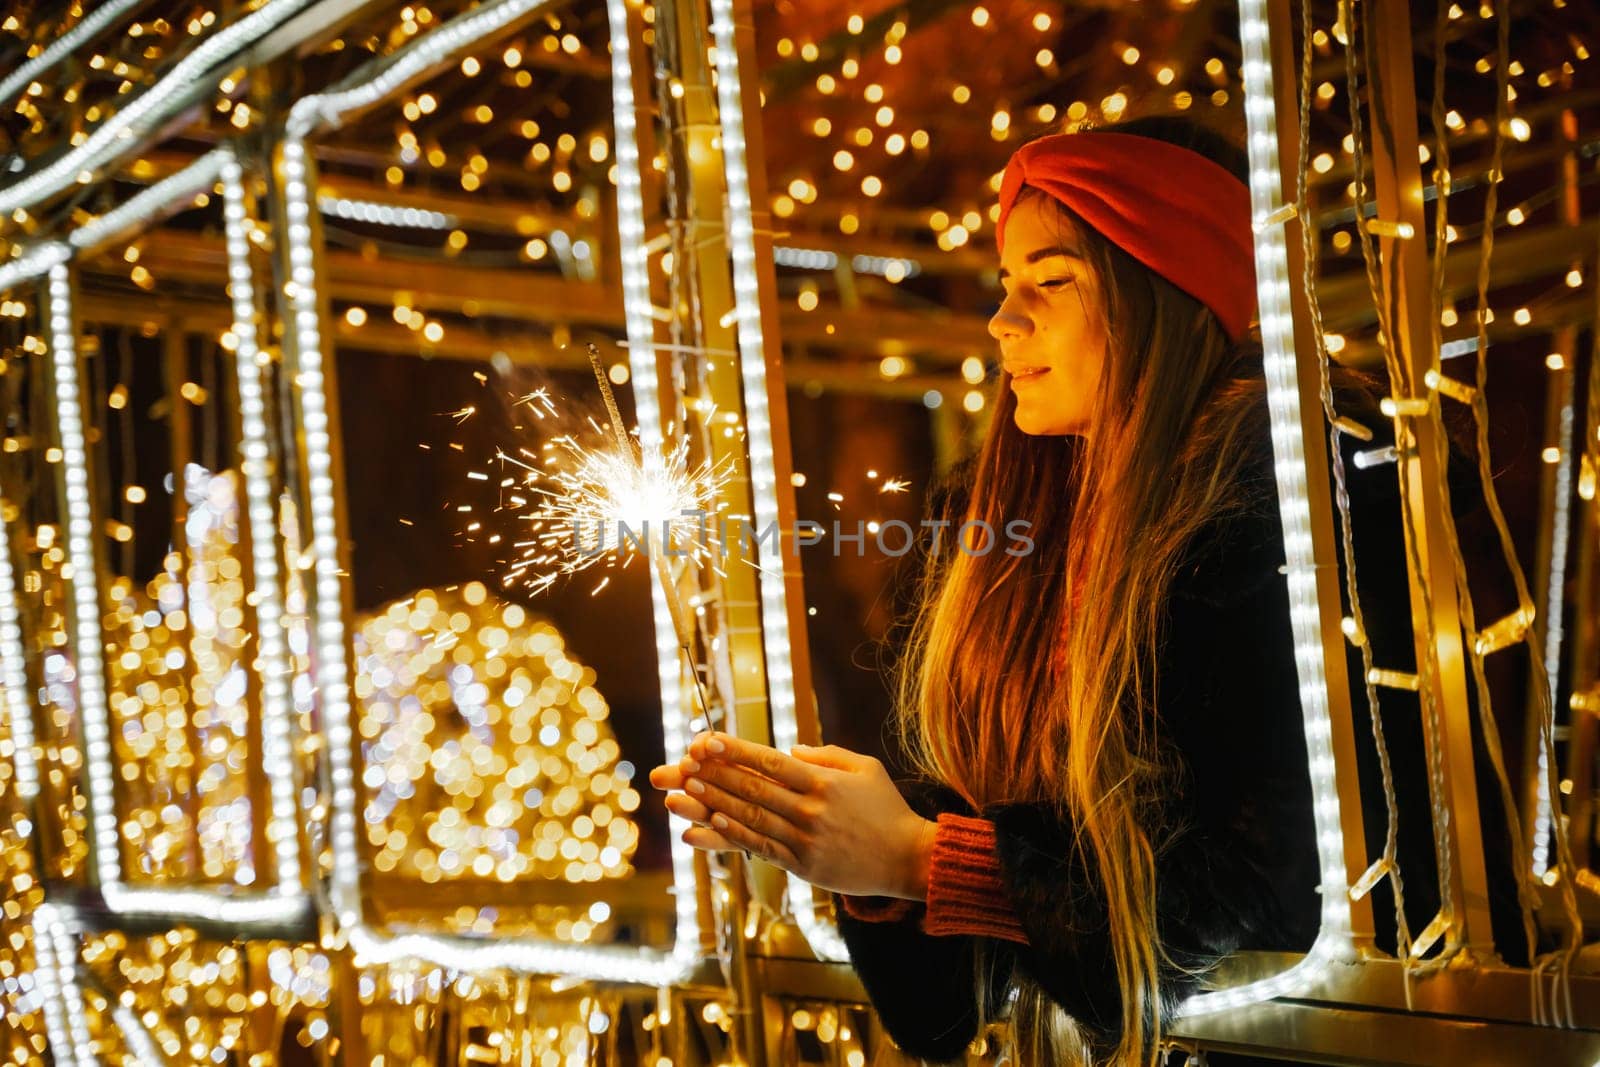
x=1008, y=694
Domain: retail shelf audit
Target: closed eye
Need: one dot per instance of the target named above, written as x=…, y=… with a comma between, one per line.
x=1055, y=283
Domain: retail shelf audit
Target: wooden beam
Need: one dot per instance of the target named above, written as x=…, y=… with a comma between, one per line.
x=1435, y=612
x=539, y=297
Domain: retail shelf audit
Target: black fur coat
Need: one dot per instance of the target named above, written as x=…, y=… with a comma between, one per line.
x=1241, y=871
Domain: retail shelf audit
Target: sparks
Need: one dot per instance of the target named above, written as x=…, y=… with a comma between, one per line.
x=602, y=507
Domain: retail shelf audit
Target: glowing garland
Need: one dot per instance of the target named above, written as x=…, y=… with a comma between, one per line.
x=14, y=676
x=332, y=680
x=256, y=462
x=1283, y=400
x=32, y=264
x=57, y=971
x=822, y=935
x=195, y=178
x=136, y=1036
x=84, y=583
x=63, y=46
x=47, y=975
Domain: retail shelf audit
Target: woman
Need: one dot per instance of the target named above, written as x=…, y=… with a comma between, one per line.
x=1113, y=787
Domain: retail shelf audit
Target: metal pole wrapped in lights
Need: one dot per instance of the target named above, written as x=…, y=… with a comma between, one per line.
x=18, y=705
x=1283, y=401
x=820, y=934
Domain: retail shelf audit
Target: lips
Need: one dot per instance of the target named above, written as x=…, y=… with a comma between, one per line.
x=1021, y=374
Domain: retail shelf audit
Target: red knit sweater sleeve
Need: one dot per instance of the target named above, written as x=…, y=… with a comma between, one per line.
x=966, y=894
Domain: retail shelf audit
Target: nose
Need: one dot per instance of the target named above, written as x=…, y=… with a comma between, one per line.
x=1008, y=322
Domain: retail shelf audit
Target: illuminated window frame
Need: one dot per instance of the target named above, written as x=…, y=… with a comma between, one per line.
x=287, y=901
x=371, y=945
x=1334, y=942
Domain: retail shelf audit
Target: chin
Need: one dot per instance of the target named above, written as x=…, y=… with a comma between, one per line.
x=1035, y=427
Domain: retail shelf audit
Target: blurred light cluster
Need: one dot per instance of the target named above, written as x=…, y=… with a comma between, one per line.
x=44, y=597
x=486, y=749
x=180, y=699
x=23, y=1040
x=193, y=998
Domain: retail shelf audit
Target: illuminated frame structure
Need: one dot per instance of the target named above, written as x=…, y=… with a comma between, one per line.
x=287, y=900
x=1334, y=943
x=1334, y=939
x=314, y=114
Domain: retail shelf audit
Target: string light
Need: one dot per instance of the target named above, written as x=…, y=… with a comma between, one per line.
x=14, y=678
x=1333, y=941
x=776, y=638
x=255, y=460
x=385, y=214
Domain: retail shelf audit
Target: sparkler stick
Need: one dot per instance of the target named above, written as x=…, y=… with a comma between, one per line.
x=663, y=572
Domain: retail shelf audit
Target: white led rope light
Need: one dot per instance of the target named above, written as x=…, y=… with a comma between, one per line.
x=640, y=322
x=58, y=998
x=14, y=675
x=148, y=110
x=84, y=582
x=540, y=956
x=137, y=1037
x=255, y=459
x=1283, y=400
x=381, y=214
x=287, y=899
x=57, y=1009
x=63, y=46
x=57, y=953
x=66, y=952
x=192, y=180
x=1554, y=609
x=820, y=934
x=33, y=263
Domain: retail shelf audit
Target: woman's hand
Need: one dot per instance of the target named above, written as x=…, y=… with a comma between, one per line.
x=832, y=816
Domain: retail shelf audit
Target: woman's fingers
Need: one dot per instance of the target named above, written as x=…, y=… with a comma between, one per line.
x=708, y=839
x=758, y=820
x=725, y=835
x=667, y=776
x=687, y=807
x=763, y=759
x=768, y=848
x=746, y=785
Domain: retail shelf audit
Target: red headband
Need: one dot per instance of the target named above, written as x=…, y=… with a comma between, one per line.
x=1174, y=210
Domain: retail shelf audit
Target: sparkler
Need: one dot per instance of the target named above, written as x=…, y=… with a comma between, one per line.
x=646, y=497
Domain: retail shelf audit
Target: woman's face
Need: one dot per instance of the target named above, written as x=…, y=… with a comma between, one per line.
x=1052, y=339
